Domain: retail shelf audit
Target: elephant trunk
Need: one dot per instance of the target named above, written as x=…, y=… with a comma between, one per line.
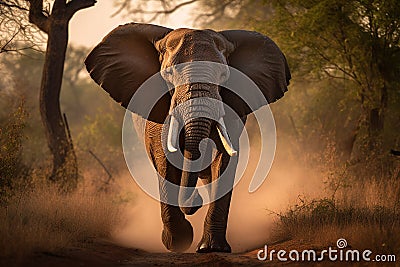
x=195, y=110
x=195, y=107
x=195, y=131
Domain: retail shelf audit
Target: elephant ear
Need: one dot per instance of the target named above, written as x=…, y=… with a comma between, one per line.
x=124, y=60
x=262, y=61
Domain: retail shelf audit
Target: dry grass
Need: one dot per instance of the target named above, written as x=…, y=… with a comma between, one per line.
x=365, y=213
x=45, y=220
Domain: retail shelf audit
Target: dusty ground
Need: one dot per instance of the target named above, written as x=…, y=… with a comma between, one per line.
x=102, y=253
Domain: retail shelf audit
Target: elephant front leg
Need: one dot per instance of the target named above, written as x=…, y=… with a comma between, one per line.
x=177, y=234
x=214, y=233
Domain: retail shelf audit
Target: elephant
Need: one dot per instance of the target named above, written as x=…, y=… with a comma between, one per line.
x=132, y=53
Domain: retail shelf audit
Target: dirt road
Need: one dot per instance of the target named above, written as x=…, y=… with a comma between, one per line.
x=100, y=253
x=106, y=254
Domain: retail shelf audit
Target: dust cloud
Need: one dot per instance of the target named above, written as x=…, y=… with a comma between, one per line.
x=250, y=222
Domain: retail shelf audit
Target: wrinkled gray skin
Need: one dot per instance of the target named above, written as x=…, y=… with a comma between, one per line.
x=182, y=46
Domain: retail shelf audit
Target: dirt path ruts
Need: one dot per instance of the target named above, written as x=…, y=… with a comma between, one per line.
x=100, y=253
x=106, y=254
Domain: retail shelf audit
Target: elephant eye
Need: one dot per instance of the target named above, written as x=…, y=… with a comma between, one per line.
x=168, y=71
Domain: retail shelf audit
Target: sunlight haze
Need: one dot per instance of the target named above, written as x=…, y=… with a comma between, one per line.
x=89, y=26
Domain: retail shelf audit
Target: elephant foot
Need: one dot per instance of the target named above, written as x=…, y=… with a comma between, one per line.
x=177, y=236
x=213, y=243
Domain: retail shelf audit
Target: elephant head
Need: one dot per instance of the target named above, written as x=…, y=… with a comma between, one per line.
x=132, y=53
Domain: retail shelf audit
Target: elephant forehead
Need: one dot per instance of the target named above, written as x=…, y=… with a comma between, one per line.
x=191, y=36
x=188, y=45
x=187, y=36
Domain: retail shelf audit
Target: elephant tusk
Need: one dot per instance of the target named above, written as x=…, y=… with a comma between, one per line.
x=173, y=135
x=223, y=134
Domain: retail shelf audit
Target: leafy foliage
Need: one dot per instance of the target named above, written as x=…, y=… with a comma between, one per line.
x=357, y=44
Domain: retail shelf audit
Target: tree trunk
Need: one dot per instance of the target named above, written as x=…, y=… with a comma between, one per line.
x=377, y=120
x=65, y=170
x=65, y=167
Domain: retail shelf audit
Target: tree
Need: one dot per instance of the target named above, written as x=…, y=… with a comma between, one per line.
x=53, y=20
x=353, y=40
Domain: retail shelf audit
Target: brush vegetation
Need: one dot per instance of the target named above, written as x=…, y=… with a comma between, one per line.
x=43, y=219
x=37, y=215
x=365, y=213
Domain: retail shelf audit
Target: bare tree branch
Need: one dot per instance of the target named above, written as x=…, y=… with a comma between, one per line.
x=13, y=5
x=126, y=4
x=215, y=14
x=76, y=5
x=143, y=8
x=58, y=5
x=37, y=17
x=123, y=6
x=16, y=33
x=102, y=165
x=172, y=10
x=336, y=65
x=210, y=11
x=4, y=46
x=330, y=75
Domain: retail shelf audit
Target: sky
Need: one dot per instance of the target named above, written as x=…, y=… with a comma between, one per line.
x=90, y=25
